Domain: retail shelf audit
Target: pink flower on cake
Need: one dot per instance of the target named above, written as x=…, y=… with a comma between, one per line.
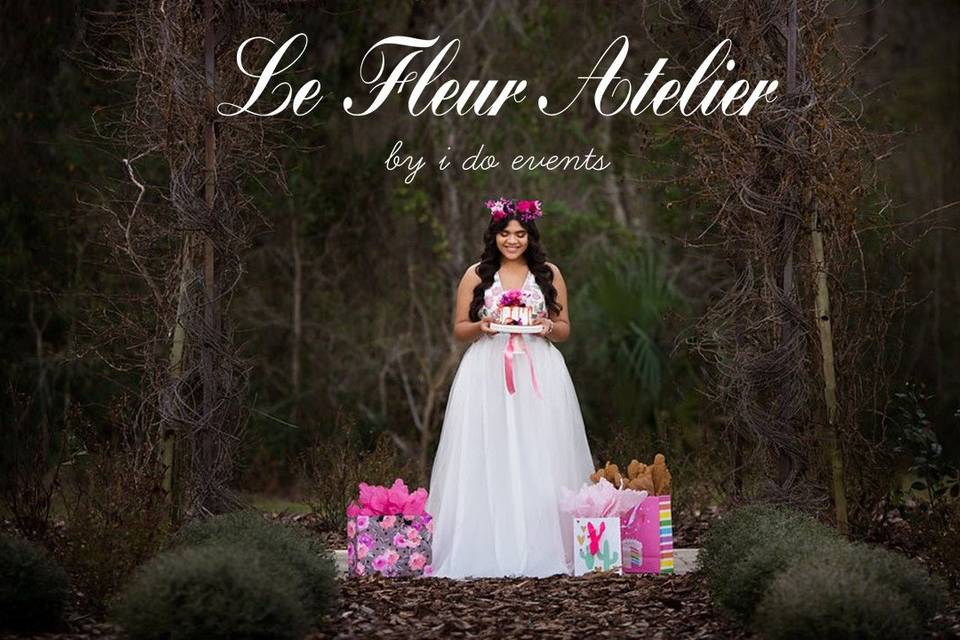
x=380, y=563
x=351, y=528
x=349, y=551
x=427, y=570
x=363, y=522
x=360, y=569
x=512, y=298
x=413, y=536
x=391, y=556
x=388, y=521
x=399, y=540
x=365, y=538
x=417, y=560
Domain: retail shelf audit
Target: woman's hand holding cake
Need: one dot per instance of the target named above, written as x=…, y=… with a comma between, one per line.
x=485, y=325
x=547, y=325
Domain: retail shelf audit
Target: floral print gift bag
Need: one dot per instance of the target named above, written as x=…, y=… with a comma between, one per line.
x=388, y=532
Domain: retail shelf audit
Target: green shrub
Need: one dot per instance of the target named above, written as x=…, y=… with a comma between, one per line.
x=816, y=600
x=227, y=591
x=924, y=592
x=313, y=565
x=33, y=588
x=746, y=550
x=741, y=588
x=723, y=542
x=734, y=536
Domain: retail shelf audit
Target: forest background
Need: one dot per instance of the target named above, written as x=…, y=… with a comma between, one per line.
x=342, y=280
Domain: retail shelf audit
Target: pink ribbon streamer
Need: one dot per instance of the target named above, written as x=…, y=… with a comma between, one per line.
x=512, y=349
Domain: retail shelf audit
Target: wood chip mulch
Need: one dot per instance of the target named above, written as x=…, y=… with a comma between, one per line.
x=595, y=606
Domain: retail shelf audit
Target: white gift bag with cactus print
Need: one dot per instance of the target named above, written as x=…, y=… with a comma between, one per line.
x=596, y=545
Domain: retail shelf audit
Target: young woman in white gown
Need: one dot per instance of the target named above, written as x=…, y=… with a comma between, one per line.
x=504, y=454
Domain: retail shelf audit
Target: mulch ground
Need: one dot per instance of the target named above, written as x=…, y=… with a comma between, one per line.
x=594, y=606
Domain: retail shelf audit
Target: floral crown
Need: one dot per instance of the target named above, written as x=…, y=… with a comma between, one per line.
x=526, y=210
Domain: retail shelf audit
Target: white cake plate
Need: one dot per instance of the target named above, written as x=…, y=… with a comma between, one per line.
x=516, y=328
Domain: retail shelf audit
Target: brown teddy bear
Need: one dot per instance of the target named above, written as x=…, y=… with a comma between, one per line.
x=640, y=477
x=612, y=473
x=661, y=476
x=654, y=478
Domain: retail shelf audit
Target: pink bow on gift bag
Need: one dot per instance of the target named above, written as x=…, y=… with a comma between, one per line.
x=381, y=501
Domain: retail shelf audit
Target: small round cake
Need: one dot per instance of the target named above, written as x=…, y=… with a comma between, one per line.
x=516, y=315
x=517, y=308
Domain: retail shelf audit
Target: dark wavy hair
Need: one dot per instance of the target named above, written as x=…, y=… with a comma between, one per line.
x=490, y=263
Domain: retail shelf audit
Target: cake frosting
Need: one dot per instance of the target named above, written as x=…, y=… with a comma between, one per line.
x=515, y=315
x=516, y=307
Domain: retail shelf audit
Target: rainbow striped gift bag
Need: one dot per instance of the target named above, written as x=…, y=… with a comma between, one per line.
x=646, y=537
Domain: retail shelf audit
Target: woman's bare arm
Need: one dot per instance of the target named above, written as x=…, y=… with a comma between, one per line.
x=465, y=329
x=561, y=321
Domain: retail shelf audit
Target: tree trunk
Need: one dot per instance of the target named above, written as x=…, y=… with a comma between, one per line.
x=787, y=461
x=825, y=329
x=610, y=184
x=171, y=468
x=208, y=445
x=297, y=319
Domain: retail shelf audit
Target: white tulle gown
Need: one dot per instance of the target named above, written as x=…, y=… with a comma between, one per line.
x=502, y=459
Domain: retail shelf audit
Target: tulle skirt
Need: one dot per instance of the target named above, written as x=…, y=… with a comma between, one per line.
x=501, y=461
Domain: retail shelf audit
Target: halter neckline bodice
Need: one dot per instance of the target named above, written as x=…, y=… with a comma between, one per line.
x=529, y=286
x=526, y=280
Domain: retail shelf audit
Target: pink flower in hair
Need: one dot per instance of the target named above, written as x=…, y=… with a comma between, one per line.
x=501, y=208
x=529, y=210
x=497, y=208
x=526, y=210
